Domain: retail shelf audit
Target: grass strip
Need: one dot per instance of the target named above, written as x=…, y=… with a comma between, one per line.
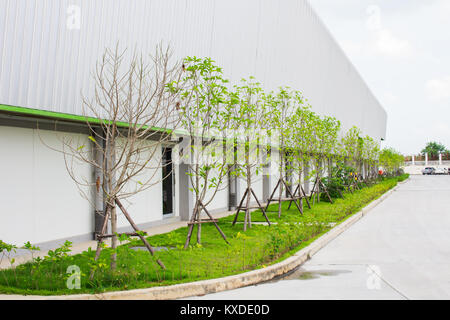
x=257, y=248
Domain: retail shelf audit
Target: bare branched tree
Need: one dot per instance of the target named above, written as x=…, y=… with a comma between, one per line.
x=130, y=117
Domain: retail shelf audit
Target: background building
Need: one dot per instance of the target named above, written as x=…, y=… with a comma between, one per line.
x=48, y=49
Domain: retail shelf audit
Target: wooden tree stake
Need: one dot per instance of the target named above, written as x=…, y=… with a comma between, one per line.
x=280, y=183
x=196, y=220
x=247, y=218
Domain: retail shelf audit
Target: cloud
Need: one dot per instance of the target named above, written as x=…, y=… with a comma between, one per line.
x=383, y=41
x=373, y=22
x=379, y=56
x=438, y=89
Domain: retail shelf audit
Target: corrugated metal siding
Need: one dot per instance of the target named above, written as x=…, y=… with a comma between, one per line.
x=45, y=65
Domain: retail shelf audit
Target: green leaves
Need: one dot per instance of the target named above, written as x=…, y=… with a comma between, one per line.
x=211, y=108
x=30, y=247
x=391, y=160
x=6, y=247
x=123, y=237
x=434, y=148
x=248, y=118
x=59, y=253
x=205, y=115
x=351, y=144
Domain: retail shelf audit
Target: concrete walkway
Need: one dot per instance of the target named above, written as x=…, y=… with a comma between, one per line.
x=400, y=250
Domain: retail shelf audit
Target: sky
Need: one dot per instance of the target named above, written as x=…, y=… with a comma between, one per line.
x=401, y=48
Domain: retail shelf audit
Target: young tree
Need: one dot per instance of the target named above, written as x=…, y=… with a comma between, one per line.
x=326, y=132
x=204, y=118
x=300, y=138
x=250, y=117
x=351, y=146
x=370, y=154
x=129, y=119
x=281, y=108
x=349, y=154
x=391, y=160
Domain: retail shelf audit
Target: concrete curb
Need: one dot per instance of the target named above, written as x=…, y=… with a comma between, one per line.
x=204, y=287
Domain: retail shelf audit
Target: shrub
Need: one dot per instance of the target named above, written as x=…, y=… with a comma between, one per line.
x=341, y=176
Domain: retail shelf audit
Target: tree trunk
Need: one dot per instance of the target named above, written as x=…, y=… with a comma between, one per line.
x=110, y=162
x=199, y=228
x=280, y=193
x=249, y=185
x=198, y=210
x=114, y=238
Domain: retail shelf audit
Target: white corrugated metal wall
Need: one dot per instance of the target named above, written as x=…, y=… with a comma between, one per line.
x=45, y=65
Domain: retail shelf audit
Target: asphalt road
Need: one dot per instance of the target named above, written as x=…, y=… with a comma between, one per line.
x=400, y=250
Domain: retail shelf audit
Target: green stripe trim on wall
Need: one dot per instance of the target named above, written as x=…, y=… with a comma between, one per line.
x=62, y=116
x=75, y=118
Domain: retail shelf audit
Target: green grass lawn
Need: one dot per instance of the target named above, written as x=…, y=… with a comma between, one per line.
x=257, y=248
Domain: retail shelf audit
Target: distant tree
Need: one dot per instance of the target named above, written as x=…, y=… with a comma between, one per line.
x=391, y=160
x=301, y=140
x=351, y=146
x=433, y=149
x=370, y=154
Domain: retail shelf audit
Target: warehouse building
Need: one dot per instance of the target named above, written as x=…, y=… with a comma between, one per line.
x=49, y=48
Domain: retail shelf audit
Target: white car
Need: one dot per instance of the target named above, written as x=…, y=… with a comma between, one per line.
x=441, y=171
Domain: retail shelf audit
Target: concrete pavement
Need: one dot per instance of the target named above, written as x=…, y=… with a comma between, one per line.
x=401, y=250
